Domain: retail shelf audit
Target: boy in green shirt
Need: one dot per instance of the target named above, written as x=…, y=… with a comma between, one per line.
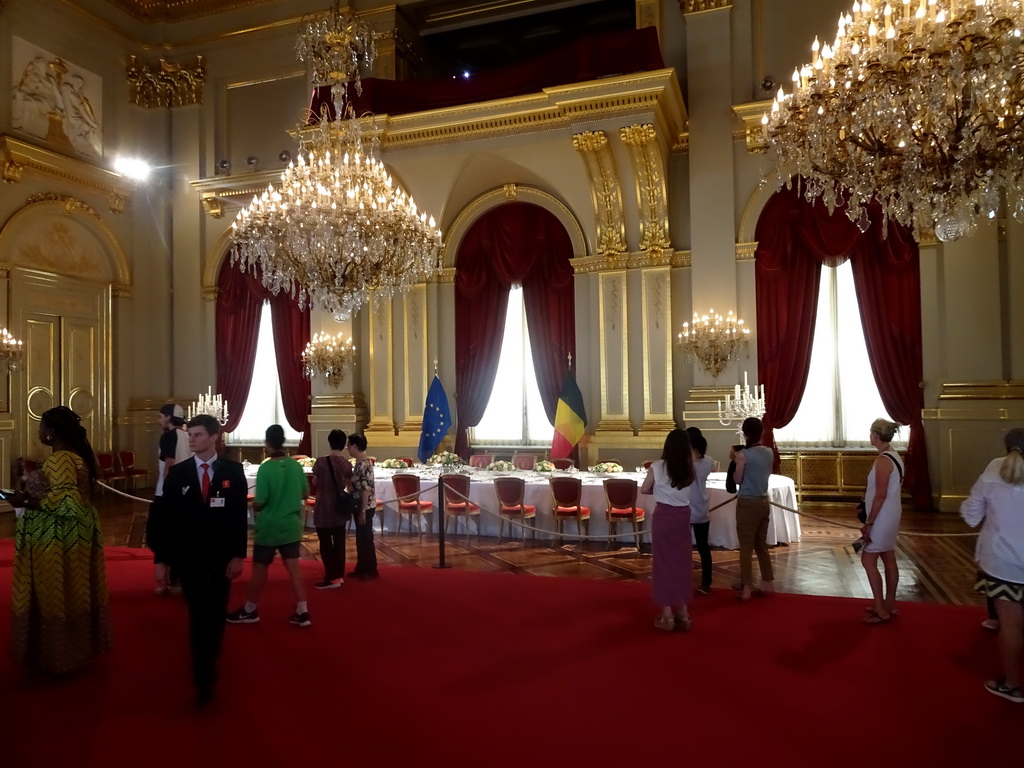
x=281, y=491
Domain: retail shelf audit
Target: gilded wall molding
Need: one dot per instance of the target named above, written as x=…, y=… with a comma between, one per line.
x=746, y=251
x=20, y=157
x=120, y=276
x=458, y=227
x=605, y=190
x=982, y=390
x=648, y=14
x=700, y=6
x=165, y=84
x=651, y=193
x=179, y=10
x=753, y=130
x=656, y=314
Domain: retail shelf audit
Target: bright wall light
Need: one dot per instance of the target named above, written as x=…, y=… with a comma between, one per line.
x=132, y=167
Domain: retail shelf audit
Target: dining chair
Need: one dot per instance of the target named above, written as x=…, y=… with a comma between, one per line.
x=563, y=463
x=620, y=493
x=511, y=492
x=481, y=460
x=127, y=461
x=406, y=485
x=567, y=496
x=456, y=493
x=107, y=473
x=408, y=462
x=524, y=460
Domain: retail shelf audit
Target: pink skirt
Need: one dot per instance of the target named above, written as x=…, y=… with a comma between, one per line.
x=672, y=547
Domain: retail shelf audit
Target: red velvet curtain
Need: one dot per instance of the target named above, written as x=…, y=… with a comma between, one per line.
x=513, y=243
x=794, y=238
x=240, y=297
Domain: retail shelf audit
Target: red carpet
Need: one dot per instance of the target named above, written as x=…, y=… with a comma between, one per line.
x=432, y=668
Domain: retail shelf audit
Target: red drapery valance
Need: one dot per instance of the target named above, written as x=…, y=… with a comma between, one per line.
x=513, y=243
x=794, y=238
x=240, y=297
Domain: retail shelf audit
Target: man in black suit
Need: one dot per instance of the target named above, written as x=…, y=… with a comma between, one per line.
x=207, y=528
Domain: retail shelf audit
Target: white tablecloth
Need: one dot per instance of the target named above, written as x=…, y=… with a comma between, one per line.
x=784, y=527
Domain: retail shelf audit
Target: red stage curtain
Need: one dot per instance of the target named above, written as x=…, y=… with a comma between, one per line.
x=240, y=297
x=794, y=238
x=513, y=243
x=591, y=58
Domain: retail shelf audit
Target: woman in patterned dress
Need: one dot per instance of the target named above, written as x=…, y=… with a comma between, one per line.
x=60, y=617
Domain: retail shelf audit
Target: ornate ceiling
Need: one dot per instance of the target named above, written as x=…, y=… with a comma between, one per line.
x=178, y=10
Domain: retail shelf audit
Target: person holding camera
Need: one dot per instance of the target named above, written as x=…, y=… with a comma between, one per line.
x=331, y=477
x=882, y=522
x=753, y=512
x=997, y=498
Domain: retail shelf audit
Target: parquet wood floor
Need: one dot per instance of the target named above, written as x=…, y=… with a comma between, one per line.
x=823, y=563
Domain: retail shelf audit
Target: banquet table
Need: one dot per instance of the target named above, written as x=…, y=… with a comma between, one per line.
x=784, y=526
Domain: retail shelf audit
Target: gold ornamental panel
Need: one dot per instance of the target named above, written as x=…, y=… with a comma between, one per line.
x=165, y=84
x=651, y=192
x=605, y=190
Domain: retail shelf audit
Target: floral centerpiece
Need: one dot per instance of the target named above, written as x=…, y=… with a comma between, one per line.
x=393, y=464
x=501, y=466
x=307, y=461
x=607, y=468
x=544, y=466
x=445, y=459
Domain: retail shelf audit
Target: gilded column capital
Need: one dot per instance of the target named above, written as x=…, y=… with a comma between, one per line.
x=651, y=191
x=699, y=6
x=165, y=84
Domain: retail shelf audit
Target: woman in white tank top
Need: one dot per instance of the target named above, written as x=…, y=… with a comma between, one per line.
x=883, y=507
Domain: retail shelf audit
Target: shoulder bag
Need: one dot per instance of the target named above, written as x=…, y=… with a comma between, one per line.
x=346, y=502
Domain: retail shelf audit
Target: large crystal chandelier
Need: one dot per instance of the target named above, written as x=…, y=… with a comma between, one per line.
x=337, y=227
x=918, y=105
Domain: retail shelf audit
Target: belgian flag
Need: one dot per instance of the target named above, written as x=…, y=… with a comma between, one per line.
x=570, y=419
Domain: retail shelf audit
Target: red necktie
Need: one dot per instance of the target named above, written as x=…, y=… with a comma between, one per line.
x=206, y=481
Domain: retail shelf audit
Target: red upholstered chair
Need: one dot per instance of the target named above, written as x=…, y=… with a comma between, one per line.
x=108, y=474
x=456, y=491
x=481, y=460
x=511, y=492
x=567, y=496
x=563, y=463
x=524, y=460
x=647, y=464
x=127, y=461
x=408, y=462
x=715, y=467
x=621, y=494
x=409, y=486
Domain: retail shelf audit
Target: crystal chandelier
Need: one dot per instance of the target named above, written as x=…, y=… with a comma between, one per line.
x=918, y=105
x=337, y=227
x=328, y=355
x=209, y=405
x=743, y=404
x=713, y=340
x=11, y=350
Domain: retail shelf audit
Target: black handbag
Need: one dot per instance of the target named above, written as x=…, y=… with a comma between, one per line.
x=346, y=502
x=862, y=511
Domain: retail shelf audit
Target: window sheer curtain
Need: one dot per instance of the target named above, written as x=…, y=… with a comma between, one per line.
x=794, y=238
x=240, y=297
x=512, y=243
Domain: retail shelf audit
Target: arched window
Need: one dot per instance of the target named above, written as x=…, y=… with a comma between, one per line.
x=514, y=244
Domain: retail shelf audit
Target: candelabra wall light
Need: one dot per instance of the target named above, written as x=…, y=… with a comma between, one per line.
x=328, y=356
x=11, y=350
x=714, y=340
x=742, y=404
x=209, y=405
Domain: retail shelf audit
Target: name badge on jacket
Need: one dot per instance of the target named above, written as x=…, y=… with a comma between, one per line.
x=217, y=501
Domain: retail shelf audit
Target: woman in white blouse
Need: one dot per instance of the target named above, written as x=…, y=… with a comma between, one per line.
x=998, y=498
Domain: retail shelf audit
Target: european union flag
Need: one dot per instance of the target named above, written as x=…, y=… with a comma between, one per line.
x=436, y=420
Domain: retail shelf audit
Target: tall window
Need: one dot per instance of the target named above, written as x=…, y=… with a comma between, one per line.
x=264, y=406
x=841, y=399
x=515, y=414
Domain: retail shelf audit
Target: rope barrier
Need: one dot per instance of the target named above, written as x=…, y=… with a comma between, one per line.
x=122, y=493
x=615, y=536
